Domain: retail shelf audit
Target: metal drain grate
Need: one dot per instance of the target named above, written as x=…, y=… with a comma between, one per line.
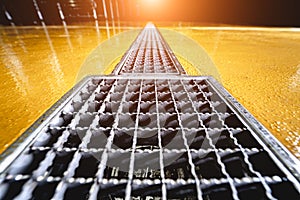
x=174, y=138
x=148, y=137
x=149, y=54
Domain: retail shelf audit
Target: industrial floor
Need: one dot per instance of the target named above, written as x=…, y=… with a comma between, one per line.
x=260, y=67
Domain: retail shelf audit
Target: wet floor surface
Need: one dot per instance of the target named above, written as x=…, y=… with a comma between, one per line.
x=260, y=67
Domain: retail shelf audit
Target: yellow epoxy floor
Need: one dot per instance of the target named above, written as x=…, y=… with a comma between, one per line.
x=259, y=67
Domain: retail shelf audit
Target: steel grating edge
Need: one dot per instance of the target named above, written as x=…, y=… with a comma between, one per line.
x=273, y=144
x=16, y=148
x=283, y=158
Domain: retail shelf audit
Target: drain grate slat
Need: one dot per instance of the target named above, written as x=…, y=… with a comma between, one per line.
x=148, y=137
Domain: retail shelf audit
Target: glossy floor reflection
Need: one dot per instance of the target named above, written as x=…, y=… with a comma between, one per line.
x=38, y=66
x=260, y=67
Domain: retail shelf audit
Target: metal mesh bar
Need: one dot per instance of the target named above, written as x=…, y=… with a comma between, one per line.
x=160, y=144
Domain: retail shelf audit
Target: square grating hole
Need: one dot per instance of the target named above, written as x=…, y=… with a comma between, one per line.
x=206, y=165
x=147, y=121
x=163, y=89
x=123, y=138
x=94, y=106
x=98, y=139
x=197, y=139
x=176, y=166
x=147, y=138
x=211, y=95
x=101, y=96
x=166, y=107
x=221, y=139
x=111, y=107
x=182, y=191
x=86, y=120
x=133, y=88
x=83, y=96
x=167, y=135
x=217, y=192
x=106, y=120
x=185, y=107
x=221, y=107
x=88, y=165
x=146, y=191
x=169, y=121
x=112, y=190
x=251, y=191
x=263, y=164
x=204, y=107
x=44, y=190
x=127, y=120
x=132, y=96
x=75, y=138
x=148, y=88
x=177, y=87
x=197, y=97
x=164, y=97
x=114, y=97
x=120, y=88
x=211, y=121
x=117, y=165
x=232, y=121
x=146, y=165
x=96, y=81
x=148, y=96
x=148, y=107
x=181, y=96
x=60, y=163
x=245, y=138
x=190, y=121
x=235, y=164
x=192, y=88
x=172, y=139
x=77, y=191
x=130, y=107
x=105, y=88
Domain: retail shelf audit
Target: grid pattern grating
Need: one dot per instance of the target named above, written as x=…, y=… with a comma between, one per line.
x=139, y=135
x=149, y=54
x=146, y=138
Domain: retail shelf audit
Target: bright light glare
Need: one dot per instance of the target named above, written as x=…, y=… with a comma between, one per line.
x=153, y=10
x=150, y=2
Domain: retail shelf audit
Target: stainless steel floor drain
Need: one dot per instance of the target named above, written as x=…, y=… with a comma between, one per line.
x=148, y=137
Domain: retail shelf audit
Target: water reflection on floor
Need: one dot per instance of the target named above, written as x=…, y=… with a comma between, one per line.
x=38, y=66
x=260, y=67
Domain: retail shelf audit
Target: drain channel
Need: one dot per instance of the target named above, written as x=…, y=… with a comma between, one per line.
x=139, y=135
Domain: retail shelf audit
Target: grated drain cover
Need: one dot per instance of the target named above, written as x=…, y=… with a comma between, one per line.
x=149, y=54
x=148, y=137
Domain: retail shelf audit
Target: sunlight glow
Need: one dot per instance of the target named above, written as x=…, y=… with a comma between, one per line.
x=151, y=1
